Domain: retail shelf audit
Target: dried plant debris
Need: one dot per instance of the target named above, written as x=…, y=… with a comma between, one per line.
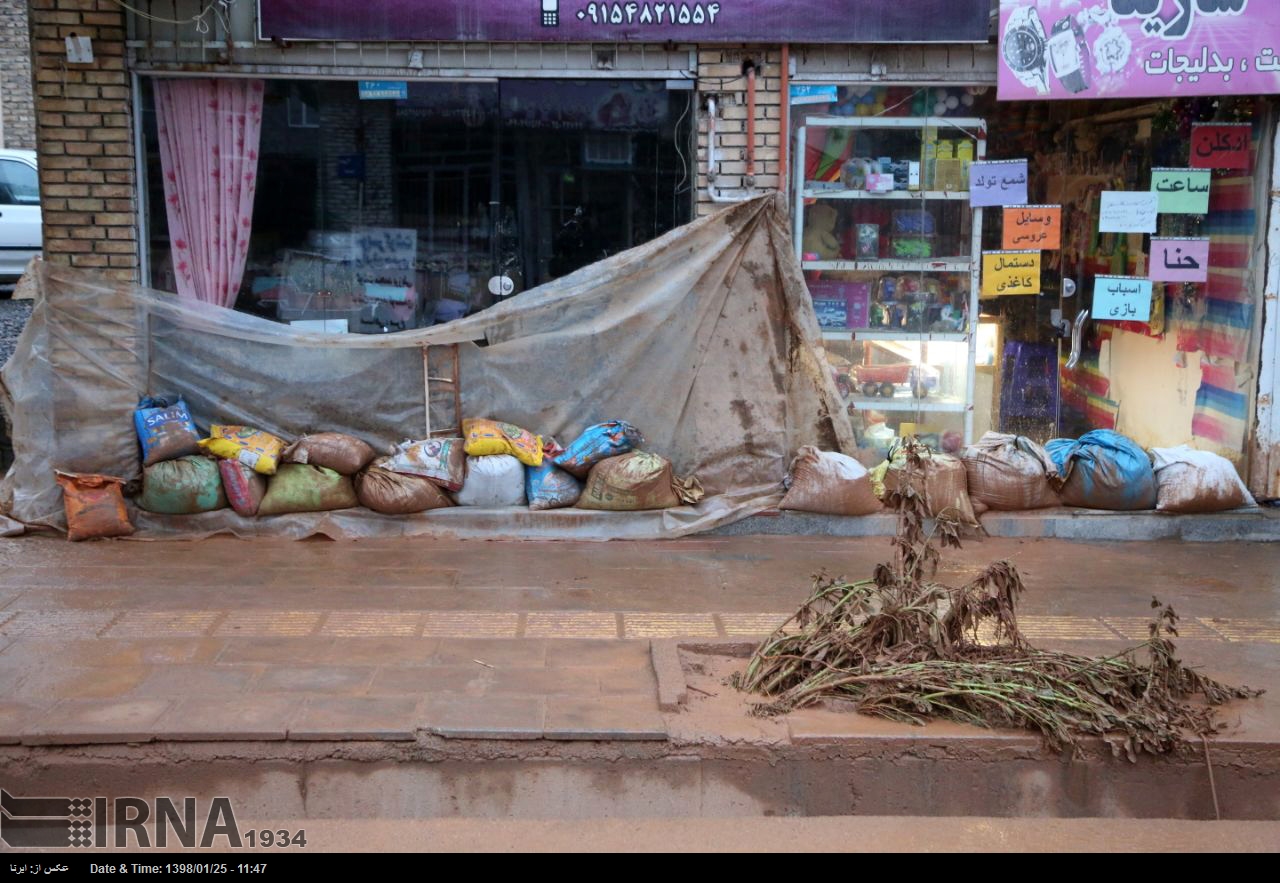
x=904, y=647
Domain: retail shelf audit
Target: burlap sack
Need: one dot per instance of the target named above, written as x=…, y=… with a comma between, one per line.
x=344, y=454
x=1010, y=473
x=393, y=493
x=635, y=481
x=830, y=483
x=1188, y=480
x=943, y=483
x=299, y=488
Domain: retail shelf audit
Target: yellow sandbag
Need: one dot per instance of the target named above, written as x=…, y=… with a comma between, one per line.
x=258, y=450
x=487, y=437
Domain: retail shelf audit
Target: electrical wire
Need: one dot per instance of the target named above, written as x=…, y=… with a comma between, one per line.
x=199, y=20
x=675, y=142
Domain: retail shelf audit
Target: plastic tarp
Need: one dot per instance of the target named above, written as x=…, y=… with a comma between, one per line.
x=704, y=338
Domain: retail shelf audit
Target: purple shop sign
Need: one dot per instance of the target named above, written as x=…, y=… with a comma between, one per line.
x=681, y=21
x=1179, y=260
x=1137, y=48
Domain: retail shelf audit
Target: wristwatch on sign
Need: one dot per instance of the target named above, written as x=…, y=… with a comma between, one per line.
x=1024, y=49
x=1067, y=55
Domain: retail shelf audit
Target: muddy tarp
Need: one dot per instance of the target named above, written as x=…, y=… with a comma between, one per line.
x=704, y=338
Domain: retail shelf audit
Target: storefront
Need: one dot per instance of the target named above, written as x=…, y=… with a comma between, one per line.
x=1111, y=272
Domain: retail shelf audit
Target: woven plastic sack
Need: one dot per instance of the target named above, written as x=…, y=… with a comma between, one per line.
x=299, y=488
x=830, y=483
x=244, y=487
x=258, y=450
x=598, y=443
x=442, y=460
x=338, y=451
x=394, y=493
x=1104, y=470
x=635, y=481
x=1010, y=473
x=943, y=483
x=488, y=437
x=165, y=430
x=550, y=487
x=182, y=487
x=492, y=481
x=95, y=506
x=1188, y=480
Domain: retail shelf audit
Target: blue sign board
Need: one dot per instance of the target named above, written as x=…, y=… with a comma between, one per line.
x=392, y=90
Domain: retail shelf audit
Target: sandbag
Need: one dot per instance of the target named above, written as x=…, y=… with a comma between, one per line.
x=394, y=493
x=441, y=460
x=301, y=488
x=485, y=438
x=599, y=442
x=943, y=483
x=1010, y=473
x=165, y=430
x=94, y=505
x=550, y=487
x=244, y=487
x=338, y=451
x=1188, y=480
x=830, y=483
x=493, y=480
x=634, y=481
x=258, y=450
x=182, y=487
x=1103, y=470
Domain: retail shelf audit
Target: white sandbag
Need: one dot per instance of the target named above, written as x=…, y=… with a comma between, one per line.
x=830, y=483
x=491, y=481
x=1188, y=480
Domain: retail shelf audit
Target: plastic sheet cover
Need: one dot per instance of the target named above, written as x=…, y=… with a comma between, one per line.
x=704, y=338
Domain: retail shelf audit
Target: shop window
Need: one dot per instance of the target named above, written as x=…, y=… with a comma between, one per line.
x=379, y=215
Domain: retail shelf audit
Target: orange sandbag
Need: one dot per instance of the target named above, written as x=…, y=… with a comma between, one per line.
x=344, y=454
x=830, y=483
x=95, y=506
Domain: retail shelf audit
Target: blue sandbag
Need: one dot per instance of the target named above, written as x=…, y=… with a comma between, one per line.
x=165, y=430
x=599, y=442
x=550, y=487
x=1104, y=470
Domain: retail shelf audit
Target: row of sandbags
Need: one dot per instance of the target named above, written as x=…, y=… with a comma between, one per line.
x=1101, y=470
x=259, y=474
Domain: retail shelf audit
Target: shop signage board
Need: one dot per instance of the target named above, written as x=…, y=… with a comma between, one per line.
x=384, y=90
x=1052, y=49
x=1032, y=226
x=654, y=21
x=1181, y=191
x=997, y=182
x=1010, y=272
x=1121, y=299
x=1128, y=211
x=1179, y=260
x=1221, y=145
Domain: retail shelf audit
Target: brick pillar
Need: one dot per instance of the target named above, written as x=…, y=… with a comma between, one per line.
x=720, y=76
x=84, y=134
x=17, y=112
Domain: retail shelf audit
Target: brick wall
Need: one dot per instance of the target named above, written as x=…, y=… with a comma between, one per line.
x=85, y=137
x=17, y=113
x=720, y=76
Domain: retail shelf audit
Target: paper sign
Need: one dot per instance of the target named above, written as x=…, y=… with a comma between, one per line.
x=1179, y=260
x=1126, y=211
x=1010, y=272
x=998, y=182
x=1033, y=226
x=1121, y=299
x=1182, y=191
x=1220, y=145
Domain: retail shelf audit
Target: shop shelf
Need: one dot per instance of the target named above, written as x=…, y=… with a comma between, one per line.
x=895, y=265
x=905, y=402
x=873, y=334
x=842, y=193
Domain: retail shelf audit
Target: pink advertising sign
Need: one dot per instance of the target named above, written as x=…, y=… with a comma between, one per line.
x=1137, y=48
x=1179, y=260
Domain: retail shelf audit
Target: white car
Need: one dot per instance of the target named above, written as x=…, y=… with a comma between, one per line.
x=20, y=230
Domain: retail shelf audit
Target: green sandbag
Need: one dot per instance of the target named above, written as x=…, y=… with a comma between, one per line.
x=297, y=487
x=183, y=486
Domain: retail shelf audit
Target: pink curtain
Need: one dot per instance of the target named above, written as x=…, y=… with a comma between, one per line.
x=209, y=155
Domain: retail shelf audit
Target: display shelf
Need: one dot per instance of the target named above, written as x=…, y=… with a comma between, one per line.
x=874, y=334
x=894, y=265
x=905, y=402
x=919, y=195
